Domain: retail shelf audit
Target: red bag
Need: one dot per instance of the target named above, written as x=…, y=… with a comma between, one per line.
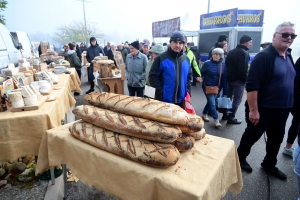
x=187, y=104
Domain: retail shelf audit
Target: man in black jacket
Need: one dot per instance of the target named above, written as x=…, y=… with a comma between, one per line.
x=222, y=39
x=236, y=71
x=270, y=96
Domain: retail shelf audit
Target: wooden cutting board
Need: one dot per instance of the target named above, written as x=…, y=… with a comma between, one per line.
x=33, y=107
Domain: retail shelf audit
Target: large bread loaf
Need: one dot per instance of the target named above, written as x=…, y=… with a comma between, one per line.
x=194, y=124
x=139, y=150
x=128, y=125
x=198, y=135
x=184, y=143
x=139, y=107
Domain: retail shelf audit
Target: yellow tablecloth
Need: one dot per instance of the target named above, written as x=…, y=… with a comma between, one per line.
x=204, y=172
x=21, y=132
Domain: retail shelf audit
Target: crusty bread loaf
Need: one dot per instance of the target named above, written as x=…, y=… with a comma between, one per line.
x=139, y=107
x=139, y=150
x=184, y=143
x=128, y=125
x=198, y=135
x=195, y=124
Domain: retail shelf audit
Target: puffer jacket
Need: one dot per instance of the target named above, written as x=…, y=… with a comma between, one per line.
x=170, y=75
x=74, y=60
x=211, y=73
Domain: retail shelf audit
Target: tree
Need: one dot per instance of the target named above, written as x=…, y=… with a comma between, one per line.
x=75, y=32
x=3, y=4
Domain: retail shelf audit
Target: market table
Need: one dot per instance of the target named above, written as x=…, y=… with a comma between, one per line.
x=21, y=132
x=204, y=172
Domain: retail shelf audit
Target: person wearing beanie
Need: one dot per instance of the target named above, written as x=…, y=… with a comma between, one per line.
x=222, y=40
x=91, y=52
x=171, y=73
x=236, y=71
x=135, y=68
x=154, y=52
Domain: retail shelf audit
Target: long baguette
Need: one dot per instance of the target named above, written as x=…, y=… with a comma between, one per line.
x=139, y=107
x=195, y=124
x=128, y=125
x=142, y=151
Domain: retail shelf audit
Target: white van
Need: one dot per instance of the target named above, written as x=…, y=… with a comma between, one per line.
x=9, y=50
x=22, y=39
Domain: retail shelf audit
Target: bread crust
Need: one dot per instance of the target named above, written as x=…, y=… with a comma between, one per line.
x=139, y=107
x=139, y=150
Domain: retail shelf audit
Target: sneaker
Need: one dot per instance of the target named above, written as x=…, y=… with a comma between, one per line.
x=245, y=166
x=205, y=118
x=274, y=171
x=89, y=91
x=217, y=123
x=234, y=121
x=288, y=152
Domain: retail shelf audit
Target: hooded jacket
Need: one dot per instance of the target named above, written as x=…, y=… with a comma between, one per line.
x=74, y=60
x=91, y=53
x=237, y=64
x=170, y=75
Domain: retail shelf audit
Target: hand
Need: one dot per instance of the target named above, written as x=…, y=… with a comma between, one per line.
x=199, y=79
x=254, y=117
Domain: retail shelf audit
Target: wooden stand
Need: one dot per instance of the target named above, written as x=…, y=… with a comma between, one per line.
x=114, y=85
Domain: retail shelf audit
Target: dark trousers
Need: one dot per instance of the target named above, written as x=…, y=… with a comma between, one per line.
x=79, y=73
x=139, y=91
x=235, y=93
x=293, y=130
x=272, y=121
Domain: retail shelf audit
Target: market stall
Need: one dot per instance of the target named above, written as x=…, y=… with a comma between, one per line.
x=206, y=171
x=21, y=132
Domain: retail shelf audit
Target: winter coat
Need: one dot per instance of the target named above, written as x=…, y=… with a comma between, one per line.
x=91, y=53
x=211, y=72
x=237, y=64
x=111, y=56
x=78, y=52
x=74, y=60
x=136, y=70
x=194, y=65
x=170, y=75
x=124, y=53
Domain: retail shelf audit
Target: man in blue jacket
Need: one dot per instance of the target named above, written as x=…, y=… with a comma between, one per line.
x=270, y=97
x=170, y=73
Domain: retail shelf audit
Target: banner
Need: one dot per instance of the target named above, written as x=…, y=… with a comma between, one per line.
x=165, y=28
x=220, y=19
x=250, y=18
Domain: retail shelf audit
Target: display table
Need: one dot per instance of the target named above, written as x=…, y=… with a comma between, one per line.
x=21, y=132
x=204, y=172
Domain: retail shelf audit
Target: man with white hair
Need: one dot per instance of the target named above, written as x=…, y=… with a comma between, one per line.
x=106, y=48
x=270, y=96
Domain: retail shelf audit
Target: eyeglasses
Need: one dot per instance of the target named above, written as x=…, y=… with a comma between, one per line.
x=286, y=35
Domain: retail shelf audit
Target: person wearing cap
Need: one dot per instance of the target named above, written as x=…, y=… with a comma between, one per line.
x=135, y=69
x=222, y=39
x=270, y=97
x=123, y=51
x=236, y=71
x=265, y=45
x=154, y=52
x=145, y=49
x=91, y=52
x=196, y=72
x=171, y=72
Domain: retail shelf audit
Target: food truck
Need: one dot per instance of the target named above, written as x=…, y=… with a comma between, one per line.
x=234, y=23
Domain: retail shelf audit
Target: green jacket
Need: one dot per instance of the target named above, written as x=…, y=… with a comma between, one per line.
x=74, y=60
x=193, y=62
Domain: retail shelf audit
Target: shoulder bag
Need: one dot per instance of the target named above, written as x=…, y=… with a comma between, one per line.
x=214, y=89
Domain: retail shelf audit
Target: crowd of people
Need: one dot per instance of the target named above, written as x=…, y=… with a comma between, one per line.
x=271, y=80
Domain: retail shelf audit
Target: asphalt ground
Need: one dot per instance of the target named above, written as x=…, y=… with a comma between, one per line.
x=257, y=185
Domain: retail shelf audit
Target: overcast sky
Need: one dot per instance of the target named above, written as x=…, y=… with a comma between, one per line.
x=122, y=20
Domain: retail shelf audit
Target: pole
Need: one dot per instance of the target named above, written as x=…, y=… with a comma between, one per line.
x=85, y=30
x=208, y=6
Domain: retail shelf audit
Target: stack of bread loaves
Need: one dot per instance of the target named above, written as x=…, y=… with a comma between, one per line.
x=140, y=129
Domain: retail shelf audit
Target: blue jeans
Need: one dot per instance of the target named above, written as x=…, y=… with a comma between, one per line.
x=296, y=159
x=211, y=105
